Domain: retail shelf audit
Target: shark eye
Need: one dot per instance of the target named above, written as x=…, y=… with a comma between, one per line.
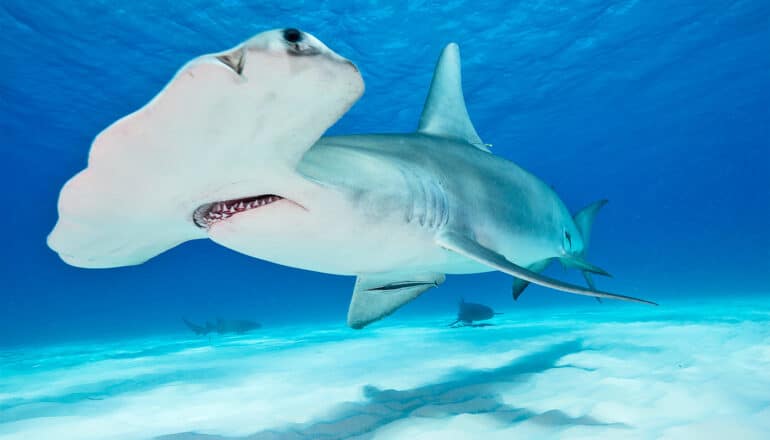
x=297, y=44
x=292, y=35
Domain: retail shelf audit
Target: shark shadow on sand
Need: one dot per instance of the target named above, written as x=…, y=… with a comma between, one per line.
x=464, y=392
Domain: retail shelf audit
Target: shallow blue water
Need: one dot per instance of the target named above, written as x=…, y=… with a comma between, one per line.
x=664, y=109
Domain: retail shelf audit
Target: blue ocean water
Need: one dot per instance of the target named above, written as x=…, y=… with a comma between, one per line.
x=664, y=109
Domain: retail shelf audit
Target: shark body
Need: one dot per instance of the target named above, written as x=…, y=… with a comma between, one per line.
x=398, y=211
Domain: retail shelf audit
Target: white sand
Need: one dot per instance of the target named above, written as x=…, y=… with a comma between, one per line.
x=674, y=372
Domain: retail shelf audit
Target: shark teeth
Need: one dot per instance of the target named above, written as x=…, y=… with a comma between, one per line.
x=210, y=213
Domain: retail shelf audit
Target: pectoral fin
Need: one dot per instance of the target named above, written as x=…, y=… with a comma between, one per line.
x=378, y=295
x=469, y=248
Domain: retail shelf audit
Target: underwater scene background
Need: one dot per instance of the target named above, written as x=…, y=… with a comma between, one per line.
x=663, y=108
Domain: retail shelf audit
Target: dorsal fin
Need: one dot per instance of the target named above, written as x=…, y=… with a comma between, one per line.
x=444, y=113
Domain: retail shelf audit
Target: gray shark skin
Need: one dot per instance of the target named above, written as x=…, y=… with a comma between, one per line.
x=398, y=211
x=469, y=312
x=436, y=202
x=223, y=326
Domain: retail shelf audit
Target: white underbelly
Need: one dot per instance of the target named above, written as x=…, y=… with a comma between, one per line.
x=333, y=236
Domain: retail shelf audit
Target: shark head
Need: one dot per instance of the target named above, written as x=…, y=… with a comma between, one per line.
x=221, y=138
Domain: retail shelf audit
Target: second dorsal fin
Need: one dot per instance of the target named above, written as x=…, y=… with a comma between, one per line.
x=444, y=113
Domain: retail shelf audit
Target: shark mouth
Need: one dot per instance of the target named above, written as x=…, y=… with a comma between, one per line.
x=207, y=215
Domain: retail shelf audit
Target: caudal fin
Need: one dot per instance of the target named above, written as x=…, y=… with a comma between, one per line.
x=584, y=219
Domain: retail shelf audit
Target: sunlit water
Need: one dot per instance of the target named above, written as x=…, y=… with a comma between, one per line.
x=661, y=108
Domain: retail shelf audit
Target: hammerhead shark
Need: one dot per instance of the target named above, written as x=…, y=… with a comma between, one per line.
x=231, y=149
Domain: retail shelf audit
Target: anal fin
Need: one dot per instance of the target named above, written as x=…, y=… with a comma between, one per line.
x=471, y=249
x=519, y=285
x=590, y=281
x=378, y=295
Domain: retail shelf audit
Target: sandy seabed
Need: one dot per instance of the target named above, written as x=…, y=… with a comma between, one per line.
x=612, y=371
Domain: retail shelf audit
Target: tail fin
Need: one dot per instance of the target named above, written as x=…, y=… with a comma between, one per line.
x=584, y=219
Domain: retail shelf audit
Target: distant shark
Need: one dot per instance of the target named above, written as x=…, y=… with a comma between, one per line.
x=469, y=312
x=230, y=150
x=223, y=326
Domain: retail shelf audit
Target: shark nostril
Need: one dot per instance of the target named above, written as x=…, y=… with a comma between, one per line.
x=292, y=35
x=233, y=60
